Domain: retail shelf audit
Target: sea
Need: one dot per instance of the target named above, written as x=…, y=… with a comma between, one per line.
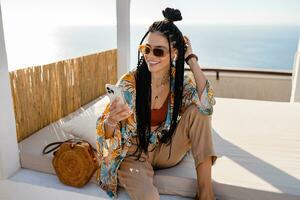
x=238, y=46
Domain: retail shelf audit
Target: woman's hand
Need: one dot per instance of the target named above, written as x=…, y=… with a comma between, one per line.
x=188, y=46
x=118, y=112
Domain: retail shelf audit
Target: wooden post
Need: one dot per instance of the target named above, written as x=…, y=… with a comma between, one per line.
x=9, y=153
x=295, y=94
x=123, y=36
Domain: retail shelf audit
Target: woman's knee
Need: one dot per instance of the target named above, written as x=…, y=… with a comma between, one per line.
x=193, y=113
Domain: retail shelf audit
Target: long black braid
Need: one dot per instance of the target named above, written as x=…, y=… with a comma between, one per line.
x=143, y=82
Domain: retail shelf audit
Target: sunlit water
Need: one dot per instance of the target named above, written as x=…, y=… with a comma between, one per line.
x=269, y=47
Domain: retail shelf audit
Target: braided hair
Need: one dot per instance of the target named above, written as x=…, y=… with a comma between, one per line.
x=143, y=81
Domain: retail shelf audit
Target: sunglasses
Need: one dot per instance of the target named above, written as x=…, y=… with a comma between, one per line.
x=158, y=52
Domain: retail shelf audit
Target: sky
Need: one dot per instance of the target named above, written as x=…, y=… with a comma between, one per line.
x=271, y=12
x=94, y=12
x=33, y=27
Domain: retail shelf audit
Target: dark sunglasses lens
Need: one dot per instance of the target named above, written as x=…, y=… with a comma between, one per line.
x=158, y=52
x=147, y=50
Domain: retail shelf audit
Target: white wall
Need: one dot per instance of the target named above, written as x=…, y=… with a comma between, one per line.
x=251, y=86
x=9, y=154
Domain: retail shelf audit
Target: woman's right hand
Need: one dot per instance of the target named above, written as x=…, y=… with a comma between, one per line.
x=118, y=111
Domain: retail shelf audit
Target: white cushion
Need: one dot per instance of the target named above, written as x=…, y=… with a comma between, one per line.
x=84, y=125
x=31, y=148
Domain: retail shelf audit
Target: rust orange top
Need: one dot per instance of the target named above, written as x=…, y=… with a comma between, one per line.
x=158, y=116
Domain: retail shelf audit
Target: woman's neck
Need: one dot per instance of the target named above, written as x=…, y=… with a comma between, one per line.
x=160, y=78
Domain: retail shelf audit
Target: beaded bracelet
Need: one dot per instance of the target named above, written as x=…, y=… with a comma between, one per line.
x=190, y=56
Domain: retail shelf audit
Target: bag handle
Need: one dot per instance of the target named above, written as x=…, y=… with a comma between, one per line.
x=58, y=144
x=51, y=144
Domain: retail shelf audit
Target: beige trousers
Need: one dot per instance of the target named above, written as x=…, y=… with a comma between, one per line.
x=193, y=133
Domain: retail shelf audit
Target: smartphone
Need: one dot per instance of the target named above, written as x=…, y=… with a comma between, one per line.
x=113, y=92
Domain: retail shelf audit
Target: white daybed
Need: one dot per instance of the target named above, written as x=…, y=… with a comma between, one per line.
x=259, y=141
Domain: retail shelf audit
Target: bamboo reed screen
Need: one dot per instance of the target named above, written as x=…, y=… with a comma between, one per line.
x=44, y=94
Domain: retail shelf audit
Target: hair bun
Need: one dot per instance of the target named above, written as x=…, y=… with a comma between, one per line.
x=172, y=14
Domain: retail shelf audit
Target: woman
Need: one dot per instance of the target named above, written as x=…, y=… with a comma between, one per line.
x=166, y=114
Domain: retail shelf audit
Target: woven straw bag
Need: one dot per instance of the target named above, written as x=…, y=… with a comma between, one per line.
x=74, y=162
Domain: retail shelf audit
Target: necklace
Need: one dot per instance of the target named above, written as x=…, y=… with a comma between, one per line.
x=160, y=92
